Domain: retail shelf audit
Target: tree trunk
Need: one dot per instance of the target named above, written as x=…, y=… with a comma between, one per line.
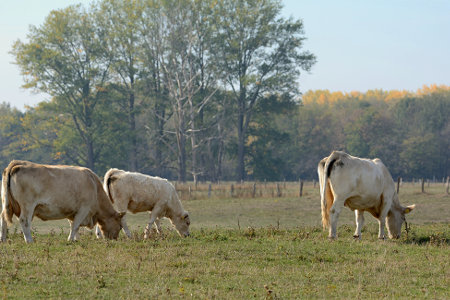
x=90, y=154
x=241, y=147
x=181, y=157
x=159, y=125
x=181, y=144
x=193, y=141
x=132, y=124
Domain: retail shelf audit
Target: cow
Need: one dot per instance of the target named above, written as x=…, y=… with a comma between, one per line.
x=53, y=192
x=362, y=185
x=137, y=192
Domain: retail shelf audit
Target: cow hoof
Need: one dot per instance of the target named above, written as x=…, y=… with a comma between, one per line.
x=331, y=238
x=356, y=237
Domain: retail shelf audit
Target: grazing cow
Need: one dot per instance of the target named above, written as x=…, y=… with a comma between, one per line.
x=53, y=193
x=137, y=192
x=362, y=185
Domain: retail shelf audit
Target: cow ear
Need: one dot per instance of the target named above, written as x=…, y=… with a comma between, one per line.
x=408, y=209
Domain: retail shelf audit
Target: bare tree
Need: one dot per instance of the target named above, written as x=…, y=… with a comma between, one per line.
x=183, y=66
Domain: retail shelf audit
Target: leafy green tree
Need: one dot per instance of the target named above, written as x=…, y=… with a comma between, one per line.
x=10, y=134
x=258, y=53
x=66, y=58
x=316, y=130
x=122, y=20
x=419, y=155
x=268, y=142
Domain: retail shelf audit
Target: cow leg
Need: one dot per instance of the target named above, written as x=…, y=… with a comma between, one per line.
x=75, y=224
x=25, y=222
x=359, y=215
x=158, y=225
x=77, y=235
x=382, y=220
x=334, y=215
x=98, y=232
x=125, y=227
x=153, y=216
x=3, y=228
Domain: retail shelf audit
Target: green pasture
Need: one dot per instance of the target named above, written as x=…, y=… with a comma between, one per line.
x=242, y=247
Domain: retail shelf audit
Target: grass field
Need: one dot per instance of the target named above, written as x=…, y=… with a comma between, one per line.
x=264, y=247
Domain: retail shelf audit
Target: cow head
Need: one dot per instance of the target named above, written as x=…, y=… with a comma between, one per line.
x=111, y=227
x=181, y=223
x=395, y=219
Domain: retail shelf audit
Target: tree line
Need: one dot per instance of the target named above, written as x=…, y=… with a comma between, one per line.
x=204, y=90
x=163, y=76
x=409, y=131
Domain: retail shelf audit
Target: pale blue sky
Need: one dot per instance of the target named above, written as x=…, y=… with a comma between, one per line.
x=360, y=45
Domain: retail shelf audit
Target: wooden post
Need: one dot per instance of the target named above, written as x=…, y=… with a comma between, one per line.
x=231, y=190
x=314, y=183
x=448, y=184
x=278, y=190
x=209, y=191
x=301, y=188
x=423, y=184
x=190, y=192
x=254, y=190
x=398, y=184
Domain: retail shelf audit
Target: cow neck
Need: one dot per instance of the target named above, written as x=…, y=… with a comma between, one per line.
x=105, y=210
x=175, y=208
x=396, y=203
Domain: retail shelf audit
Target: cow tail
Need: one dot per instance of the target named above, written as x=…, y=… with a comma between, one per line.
x=326, y=198
x=9, y=205
x=109, y=178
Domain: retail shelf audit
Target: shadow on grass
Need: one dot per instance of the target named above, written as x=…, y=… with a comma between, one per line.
x=434, y=239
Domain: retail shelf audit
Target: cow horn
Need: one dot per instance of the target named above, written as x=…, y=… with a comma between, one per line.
x=406, y=227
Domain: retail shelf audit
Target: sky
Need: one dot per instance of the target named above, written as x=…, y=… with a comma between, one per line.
x=359, y=45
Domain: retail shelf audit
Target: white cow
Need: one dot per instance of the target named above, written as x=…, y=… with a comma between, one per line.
x=56, y=192
x=362, y=185
x=137, y=192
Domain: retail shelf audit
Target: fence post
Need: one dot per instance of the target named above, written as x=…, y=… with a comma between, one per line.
x=448, y=184
x=189, y=192
x=301, y=188
x=398, y=184
x=423, y=185
x=278, y=190
x=314, y=183
x=209, y=191
x=254, y=190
